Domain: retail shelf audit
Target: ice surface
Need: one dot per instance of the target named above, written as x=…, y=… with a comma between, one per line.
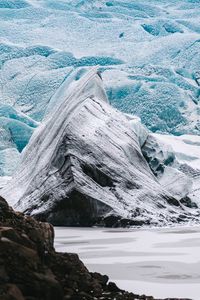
x=164, y=164
x=15, y=131
x=85, y=162
x=162, y=160
x=162, y=263
x=175, y=182
x=185, y=147
x=149, y=59
x=139, y=129
x=149, y=54
x=187, y=151
x=4, y=180
x=158, y=154
x=9, y=159
x=16, y=128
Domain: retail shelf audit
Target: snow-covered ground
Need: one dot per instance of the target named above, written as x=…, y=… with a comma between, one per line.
x=163, y=263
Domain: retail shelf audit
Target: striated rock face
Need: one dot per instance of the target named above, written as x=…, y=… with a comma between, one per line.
x=84, y=166
x=30, y=269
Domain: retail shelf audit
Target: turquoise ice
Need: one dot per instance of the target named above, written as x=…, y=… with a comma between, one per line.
x=148, y=54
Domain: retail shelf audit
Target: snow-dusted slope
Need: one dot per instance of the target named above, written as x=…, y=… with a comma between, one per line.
x=84, y=165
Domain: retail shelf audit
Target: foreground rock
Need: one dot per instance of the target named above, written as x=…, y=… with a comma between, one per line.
x=31, y=269
x=84, y=166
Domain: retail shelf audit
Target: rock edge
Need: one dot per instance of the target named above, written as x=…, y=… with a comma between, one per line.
x=31, y=269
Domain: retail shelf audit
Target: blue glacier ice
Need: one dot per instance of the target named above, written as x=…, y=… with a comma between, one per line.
x=148, y=53
x=9, y=155
x=15, y=131
x=19, y=126
x=88, y=161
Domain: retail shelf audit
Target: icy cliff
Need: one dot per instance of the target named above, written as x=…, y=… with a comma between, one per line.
x=84, y=165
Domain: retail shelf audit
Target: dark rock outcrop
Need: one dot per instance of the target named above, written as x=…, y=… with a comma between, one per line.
x=30, y=269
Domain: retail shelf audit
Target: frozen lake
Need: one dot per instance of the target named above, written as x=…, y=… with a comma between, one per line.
x=158, y=262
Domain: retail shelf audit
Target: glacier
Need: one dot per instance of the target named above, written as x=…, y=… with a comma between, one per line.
x=15, y=131
x=149, y=54
x=186, y=149
x=84, y=165
x=149, y=59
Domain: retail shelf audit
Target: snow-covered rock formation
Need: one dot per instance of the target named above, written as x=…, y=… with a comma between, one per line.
x=84, y=166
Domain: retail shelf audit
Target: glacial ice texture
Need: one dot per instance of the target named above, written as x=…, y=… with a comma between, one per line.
x=149, y=58
x=148, y=51
x=84, y=165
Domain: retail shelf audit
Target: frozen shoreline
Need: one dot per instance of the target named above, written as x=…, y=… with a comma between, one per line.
x=159, y=262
